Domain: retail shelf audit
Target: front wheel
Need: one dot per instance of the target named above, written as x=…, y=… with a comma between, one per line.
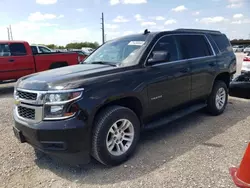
x=217, y=100
x=115, y=135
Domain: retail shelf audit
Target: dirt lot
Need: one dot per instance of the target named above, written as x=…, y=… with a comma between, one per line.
x=195, y=151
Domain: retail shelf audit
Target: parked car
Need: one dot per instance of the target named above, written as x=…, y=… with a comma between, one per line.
x=240, y=86
x=238, y=48
x=247, y=49
x=18, y=59
x=246, y=64
x=82, y=55
x=135, y=82
x=87, y=50
x=39, y=49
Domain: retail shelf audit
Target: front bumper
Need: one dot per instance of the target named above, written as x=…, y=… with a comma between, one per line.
x=67, y=140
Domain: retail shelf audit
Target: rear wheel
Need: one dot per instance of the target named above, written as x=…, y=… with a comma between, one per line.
x=115, y=135
x=217, y=100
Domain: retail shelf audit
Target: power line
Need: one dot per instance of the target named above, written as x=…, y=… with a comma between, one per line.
x=103, y=30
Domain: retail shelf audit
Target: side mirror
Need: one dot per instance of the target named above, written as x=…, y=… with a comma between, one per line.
x=158, y=56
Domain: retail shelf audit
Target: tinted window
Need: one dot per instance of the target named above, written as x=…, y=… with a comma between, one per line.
x=17, y=49
x=34, y=49
x=4, y=50
x=223, y=43
x=167, y=44
x=193, y=46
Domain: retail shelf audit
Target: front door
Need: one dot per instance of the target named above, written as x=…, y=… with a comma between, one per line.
x=14, y=61
x=170, y=81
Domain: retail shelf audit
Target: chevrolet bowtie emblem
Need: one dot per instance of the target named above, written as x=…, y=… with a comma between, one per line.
x=17, y=102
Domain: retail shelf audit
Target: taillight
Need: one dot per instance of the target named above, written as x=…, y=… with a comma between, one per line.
x=246, y=59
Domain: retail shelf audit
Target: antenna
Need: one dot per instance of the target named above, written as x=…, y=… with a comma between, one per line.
x=146, y=31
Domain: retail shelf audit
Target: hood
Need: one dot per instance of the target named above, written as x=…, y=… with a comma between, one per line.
x=69, y=77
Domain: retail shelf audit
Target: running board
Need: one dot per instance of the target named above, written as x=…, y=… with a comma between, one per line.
x=174, y=116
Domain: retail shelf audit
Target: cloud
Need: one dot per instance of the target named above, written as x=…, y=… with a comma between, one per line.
x=79, y=9
x=237, y=16
x=61, y=16
x=159, y=18
x=216, y=19
x=38, y=16
x=120, y=19
x=196, y=13
x=170, y=21
x=148, y=23
x=235, y=3
x=115, y=2
x=138, y=17
x=134, y=1
x=179, y=8
x=46, y=2
x=111, y=26
x=245, y=21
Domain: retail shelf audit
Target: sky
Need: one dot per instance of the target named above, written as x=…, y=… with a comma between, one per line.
x=64, y=21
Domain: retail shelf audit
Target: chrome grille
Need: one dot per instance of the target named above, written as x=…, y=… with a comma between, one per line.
x=26, y=95
x=27, y=113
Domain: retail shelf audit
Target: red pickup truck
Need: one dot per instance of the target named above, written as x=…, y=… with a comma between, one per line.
x=18, y=59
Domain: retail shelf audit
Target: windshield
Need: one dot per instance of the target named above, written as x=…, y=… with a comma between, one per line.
x=119, y=52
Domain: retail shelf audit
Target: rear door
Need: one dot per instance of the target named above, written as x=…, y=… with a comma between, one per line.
x=15, y=62
x=197, y=50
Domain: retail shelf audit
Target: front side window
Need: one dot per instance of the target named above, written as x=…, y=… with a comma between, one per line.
x=167, y=44
x=4, y=50
x=193, y=46
x=17, y=49
x=119, y=52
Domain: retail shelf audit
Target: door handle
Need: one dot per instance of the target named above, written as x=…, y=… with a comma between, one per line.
x=185, y=70
x=11, y=60
x=212, y=64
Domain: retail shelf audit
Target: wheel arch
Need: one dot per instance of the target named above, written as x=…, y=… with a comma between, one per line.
x=223, y=76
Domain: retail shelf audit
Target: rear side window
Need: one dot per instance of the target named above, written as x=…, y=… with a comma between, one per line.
x=222, y=43
x=34, y=49
x=17, y=49
x=193, y=46
x=4, y=50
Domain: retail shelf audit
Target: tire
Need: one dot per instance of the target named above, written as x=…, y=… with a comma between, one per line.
x=101, y=135
x=212, y=107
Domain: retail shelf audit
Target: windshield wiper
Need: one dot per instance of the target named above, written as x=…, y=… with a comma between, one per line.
x=103, y=63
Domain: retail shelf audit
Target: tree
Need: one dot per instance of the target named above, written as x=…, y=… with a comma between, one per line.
x=79, y=45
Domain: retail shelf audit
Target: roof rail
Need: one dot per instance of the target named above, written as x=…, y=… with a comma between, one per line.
x=198, y=30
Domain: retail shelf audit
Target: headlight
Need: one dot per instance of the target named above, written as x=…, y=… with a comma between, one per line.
x=60, y=105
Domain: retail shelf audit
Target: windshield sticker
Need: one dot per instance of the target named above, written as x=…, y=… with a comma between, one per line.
x=136, y=43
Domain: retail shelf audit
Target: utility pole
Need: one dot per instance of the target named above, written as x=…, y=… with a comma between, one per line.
x=8, y=31
x=11, y=36
x=103, y=35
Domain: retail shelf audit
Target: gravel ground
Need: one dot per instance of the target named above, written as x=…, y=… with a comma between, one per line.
x=195, y=151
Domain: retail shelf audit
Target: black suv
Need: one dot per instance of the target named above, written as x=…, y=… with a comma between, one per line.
x=142, y=81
